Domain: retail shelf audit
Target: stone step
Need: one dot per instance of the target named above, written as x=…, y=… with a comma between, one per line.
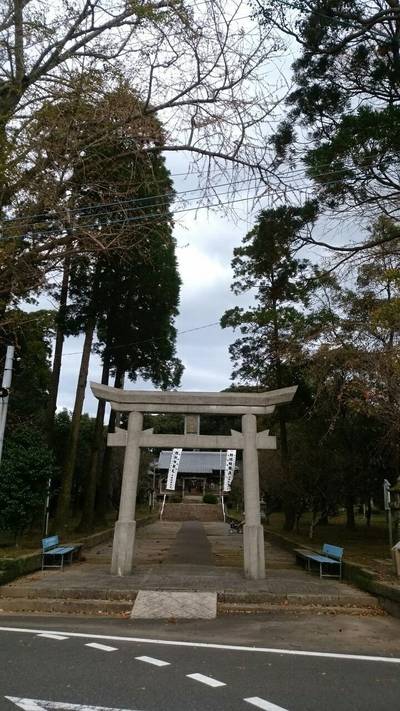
x=192, y=512
x=49, y=606
x=264, y=608
x=358, y=599
x=227, y=604
x=15, y=592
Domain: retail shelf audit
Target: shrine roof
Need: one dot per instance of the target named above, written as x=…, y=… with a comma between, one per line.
x=194, y=462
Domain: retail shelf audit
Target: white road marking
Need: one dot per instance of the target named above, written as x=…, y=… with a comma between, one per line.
x=206, y=680
x=263, y=704
x=26, y=704
x=38, y=705
x=152, y=660
x=207, y=645
x=49, y=635
x=102, y=647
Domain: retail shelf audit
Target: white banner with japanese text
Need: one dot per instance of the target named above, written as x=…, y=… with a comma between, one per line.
x=229, y=468
x=173, y=469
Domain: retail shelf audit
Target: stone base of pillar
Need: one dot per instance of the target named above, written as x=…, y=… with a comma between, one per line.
x=123, y=547
x=253, y=549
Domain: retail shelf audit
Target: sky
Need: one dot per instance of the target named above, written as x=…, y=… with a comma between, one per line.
x=205, y=243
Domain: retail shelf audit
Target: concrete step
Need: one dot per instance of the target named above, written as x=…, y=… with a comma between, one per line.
x=263, y=599
x=15, y=592
x=228, y=604
x=263, y=609
x=120, y=603
x=49, y=606
x=192, y=512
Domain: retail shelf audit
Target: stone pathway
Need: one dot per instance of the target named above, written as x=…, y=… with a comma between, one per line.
x=159, y=565
x=191, y=546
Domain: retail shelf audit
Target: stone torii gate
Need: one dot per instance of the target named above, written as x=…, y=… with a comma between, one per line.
x=136, y=403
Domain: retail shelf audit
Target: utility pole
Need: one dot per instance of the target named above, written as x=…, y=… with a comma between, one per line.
x=5, y=394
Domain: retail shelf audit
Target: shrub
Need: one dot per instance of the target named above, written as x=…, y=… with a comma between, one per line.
x=210, y=499
x=26, y=467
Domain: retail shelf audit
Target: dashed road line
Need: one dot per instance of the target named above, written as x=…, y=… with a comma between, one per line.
x=152, y=660
x=206, y=680
x=264, y=704
x=102, y=647
x=211, y=645
x=49, y=635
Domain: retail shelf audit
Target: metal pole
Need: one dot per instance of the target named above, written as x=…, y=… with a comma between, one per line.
x=387, y=505
x=47, y=510
x=7, y=376
x=163, y=506
x=220, y=474
x=390, y=527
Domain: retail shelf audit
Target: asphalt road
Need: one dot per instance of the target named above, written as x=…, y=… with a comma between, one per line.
x=56, y=664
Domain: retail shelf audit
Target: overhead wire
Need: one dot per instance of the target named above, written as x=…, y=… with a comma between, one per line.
x=149, y=340
x=291, y=174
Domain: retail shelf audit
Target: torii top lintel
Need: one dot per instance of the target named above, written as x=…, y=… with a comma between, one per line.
x=223, y=403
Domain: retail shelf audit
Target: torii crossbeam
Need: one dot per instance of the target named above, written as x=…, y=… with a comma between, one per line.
x=248, y=405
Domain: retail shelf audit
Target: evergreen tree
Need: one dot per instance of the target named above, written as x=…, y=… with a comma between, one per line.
x=270, y=351
x=26, y=468
x=129, y=292
x=346, y=96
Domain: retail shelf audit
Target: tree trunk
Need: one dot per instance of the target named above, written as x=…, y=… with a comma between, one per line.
x=103, y=500
x=289, y=509
x=64, y=497
x=58, y=349
x=368, y=512
x=283, y=440
x=290, y=517
x=351, y=521
x=95, y=459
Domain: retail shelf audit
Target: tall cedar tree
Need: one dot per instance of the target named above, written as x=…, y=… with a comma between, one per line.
x=273, y=331
x=134, y=288
x=136, y=337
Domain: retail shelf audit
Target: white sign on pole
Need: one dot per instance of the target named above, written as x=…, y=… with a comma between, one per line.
x=173, y=469
x=229, y=468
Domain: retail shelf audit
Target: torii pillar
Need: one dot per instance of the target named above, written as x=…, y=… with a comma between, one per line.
x=253, y=531
x=248, y=405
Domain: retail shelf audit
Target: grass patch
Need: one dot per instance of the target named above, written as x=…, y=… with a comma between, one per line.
x=365, y=545
x=32, y=540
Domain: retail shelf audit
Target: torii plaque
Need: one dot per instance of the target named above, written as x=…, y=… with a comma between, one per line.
x=248, y=405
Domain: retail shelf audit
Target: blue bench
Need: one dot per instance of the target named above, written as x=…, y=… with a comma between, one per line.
x=52, y=549
x=329, y=558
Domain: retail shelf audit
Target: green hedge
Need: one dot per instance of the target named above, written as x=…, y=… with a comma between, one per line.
x=210, y=499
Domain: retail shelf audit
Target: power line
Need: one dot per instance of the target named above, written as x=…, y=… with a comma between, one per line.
x=133, y=201
x=148, y=340
x=143, y=218
x=130, y=201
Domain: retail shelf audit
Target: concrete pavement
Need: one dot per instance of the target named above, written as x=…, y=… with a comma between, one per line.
x=162, y=554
